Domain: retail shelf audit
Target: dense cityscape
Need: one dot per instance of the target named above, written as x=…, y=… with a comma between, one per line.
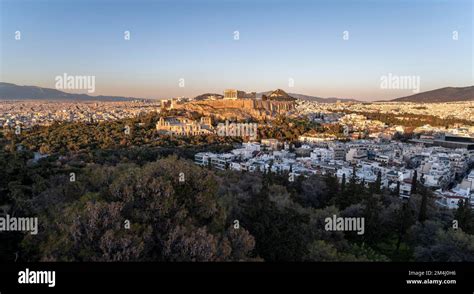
x=143, y=139
x=440, y=155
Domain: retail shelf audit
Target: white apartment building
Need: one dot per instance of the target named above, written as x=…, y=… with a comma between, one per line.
x=356, y=154
x=322, y=155
x=203, y=158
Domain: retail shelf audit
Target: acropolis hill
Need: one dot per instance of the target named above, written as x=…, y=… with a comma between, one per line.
x=240, y=105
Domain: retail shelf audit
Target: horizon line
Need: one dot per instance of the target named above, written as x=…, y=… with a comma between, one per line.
x=259, y=92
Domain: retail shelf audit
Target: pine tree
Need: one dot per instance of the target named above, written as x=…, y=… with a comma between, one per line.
x=343, y=183
x=342, y=199
x=332, y=184
x=405, y=220
x=371, y=215
x=362, y=184
x=351, y=193
x=423, y=205
x=414, y=182
x=353, y=180
x=464, y=216
x=378, y=182
x=397, y=189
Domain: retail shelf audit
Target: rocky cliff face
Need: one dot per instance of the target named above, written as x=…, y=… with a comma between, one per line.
x=240, y=108
x=280, y=95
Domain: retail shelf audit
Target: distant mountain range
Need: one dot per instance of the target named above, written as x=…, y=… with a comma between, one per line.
x=323, y=100
x=10, y=91
x=311, y=98
x=278, y=95
x=448, y=94
x=208, y=95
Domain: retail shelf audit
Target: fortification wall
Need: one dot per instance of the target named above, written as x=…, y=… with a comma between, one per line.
x=237, y=103
x=250, y=104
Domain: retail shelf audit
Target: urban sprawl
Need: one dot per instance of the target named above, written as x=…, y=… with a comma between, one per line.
x=442, y=156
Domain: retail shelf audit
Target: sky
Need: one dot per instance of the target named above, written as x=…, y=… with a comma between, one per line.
x=186, y=48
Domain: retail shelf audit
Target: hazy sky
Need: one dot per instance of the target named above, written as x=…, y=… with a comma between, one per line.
x=278, y=41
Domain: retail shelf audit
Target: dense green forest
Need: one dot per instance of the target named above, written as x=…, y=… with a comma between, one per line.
x=149, y=202
x=140, y=131
x=120, y=134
